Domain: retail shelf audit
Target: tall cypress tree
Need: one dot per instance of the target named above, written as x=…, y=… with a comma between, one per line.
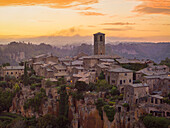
x=25, y=74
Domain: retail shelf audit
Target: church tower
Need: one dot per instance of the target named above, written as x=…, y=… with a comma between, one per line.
x=99, y=44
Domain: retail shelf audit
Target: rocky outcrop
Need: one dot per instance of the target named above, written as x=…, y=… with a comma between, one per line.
x=82, y=113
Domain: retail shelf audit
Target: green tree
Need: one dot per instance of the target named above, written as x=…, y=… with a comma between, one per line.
x=156, y=122
x=25, y=74
x=47, y=121
x=63, y=103
x=5, y=100
x=110, y=112
x=101, y=76
x=81, y=86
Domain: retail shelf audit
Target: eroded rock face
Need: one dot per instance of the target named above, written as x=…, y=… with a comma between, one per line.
x=82, y=113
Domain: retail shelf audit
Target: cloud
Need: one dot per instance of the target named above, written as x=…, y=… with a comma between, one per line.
x=153, y=7
x=84, y=8
x=92, y=13
x=118, y=23
x=49, y=3
x=118, y=29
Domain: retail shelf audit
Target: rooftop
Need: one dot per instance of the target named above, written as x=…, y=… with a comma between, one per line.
x=77, y=62
x=14, y=68
x=157, y=96
x=99, y=33
x=139, y=85
x=119, y=70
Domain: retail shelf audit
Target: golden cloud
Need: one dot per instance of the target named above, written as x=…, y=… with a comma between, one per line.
x=92, y=13
x=153, y=7
x=119, y=23
x=49, y=3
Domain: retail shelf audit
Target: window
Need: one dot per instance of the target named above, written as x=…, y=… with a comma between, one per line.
x=125, y=74
x=7, y=73
x=11, y=72
x=152, y=100
x=120, y=81
x=130, y=81
x=15, y=72
x=101, y=38
x=161, y=101
x=124, y=81
x=119, y=109
x=156, y=101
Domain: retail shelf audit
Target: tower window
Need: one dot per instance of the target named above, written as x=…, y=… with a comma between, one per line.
x=101, y=38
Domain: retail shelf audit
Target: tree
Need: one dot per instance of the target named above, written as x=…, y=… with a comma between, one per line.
x=102, y=85
x=5, y=64
x=47, y=121
x=110, y=112
x=63, y=103
x=5, y=100
x=114, y=91
x=81, y=86
x=25, y=75
x=101, y=76
x=156, y=122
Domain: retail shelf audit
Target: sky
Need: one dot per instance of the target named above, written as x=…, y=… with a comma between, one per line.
x=130, y=20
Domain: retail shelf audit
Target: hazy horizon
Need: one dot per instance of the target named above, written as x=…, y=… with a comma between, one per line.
x=124, y=20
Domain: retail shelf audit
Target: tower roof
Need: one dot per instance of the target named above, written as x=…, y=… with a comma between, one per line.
x=99, y=33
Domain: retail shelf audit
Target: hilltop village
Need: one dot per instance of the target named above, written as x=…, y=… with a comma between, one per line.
x=98, y=91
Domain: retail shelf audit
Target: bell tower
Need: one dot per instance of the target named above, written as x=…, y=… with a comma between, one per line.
x=99, y=44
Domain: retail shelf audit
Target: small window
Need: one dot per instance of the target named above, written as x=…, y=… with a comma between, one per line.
x=152, y=100
x=101, y=38
x=161, y=101
x=124, y=81
x=7, y=73
x=120, y=81
x=11, y=72
x=130, y=81
x=15, y=72
x=156, y=101
x=125, y=74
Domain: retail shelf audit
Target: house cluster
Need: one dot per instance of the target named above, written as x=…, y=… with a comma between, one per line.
x=144, y=96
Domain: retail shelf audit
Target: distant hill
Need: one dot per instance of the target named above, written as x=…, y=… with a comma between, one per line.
x=15, y=52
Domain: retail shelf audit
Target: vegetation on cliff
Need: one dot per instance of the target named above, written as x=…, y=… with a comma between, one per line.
x=155, y=122
x=36, y=101
x=110, y=112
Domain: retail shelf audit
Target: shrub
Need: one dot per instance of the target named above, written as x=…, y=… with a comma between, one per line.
x=126, y=105
x=36, y=101
x=110, y=112
x=156, y=122
x=99, y=104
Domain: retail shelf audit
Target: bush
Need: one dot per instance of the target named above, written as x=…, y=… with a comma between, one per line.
x=156, y=122
x=99, y=104
x=110, y=112
x=81, y=86
x=126, y=105
x=47, y=121
x=114, y=91
x=36, y=101
x=3, y=84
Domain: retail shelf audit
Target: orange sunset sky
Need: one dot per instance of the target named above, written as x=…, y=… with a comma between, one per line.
x=146, y=19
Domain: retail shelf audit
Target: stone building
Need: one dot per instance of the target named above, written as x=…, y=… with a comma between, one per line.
x=119, y=77
x=135, y=91
x=15, y=71
x=99, y=44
